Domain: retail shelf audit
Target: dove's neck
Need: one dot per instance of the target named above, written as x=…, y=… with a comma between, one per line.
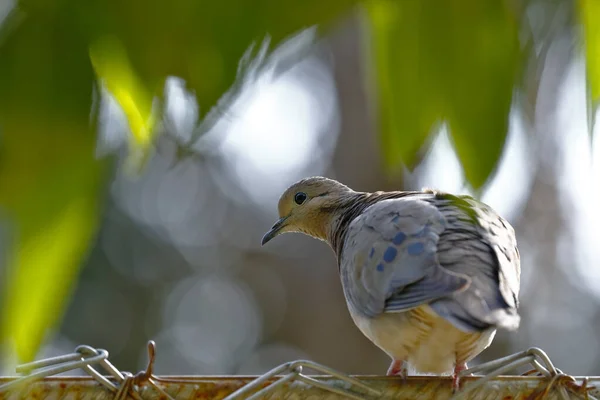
x=349, y=208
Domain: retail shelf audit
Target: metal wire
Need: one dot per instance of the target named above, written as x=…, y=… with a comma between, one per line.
x=293, y=371
x=49, y=366
x=122, y=385
x=84, y=358
x=541, y=363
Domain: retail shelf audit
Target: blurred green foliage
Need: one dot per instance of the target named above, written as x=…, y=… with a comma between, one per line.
x=589, y=11
x=452, y=61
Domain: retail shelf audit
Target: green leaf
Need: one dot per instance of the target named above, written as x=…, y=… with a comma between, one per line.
x=589, y=12
x=200, y=42
x=454, y=60
x=408, y=105
x=54, y=218
x=112, y=66
x=50, y=182
x=482, y=66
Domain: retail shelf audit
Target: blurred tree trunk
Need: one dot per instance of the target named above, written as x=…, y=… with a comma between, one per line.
x=357, y=160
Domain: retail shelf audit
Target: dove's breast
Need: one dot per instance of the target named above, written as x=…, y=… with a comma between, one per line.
x=422, y=338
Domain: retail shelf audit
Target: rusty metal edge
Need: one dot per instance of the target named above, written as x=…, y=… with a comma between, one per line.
x=219, y=386
x=201, y=378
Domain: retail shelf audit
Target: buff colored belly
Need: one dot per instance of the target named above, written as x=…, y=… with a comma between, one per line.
x=428, y=342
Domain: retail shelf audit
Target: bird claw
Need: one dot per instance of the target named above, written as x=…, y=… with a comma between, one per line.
x=398, y=368
x=455, y=384
x=456, y=377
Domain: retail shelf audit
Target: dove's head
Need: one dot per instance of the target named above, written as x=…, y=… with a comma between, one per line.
x=308, y=207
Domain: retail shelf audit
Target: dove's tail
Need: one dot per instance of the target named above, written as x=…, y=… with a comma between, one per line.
x=507, y=319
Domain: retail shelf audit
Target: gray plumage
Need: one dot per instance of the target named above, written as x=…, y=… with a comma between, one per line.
x=427, y=276
x=464, y=261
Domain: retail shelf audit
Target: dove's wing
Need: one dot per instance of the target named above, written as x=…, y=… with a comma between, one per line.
x=389, y=261
x=480, y=244
x=405, y=252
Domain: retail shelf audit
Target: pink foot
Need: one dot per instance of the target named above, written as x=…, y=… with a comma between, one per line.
x=455, y=378
x=398, y=367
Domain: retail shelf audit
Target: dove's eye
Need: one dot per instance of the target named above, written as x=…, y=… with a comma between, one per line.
x=300, y=198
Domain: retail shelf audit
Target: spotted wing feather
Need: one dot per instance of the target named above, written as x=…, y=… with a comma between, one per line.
x=389, y=261
x=453, y=253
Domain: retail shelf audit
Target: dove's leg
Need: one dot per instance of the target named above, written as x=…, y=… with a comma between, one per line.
x=398, y=367
x=455, y=378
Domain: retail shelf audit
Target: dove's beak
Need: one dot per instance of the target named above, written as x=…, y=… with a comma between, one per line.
x=274, y=231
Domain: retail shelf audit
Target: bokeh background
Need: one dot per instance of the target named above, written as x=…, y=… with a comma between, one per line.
x=177, y=258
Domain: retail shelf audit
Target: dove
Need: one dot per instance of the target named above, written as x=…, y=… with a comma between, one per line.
x=427, y=276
